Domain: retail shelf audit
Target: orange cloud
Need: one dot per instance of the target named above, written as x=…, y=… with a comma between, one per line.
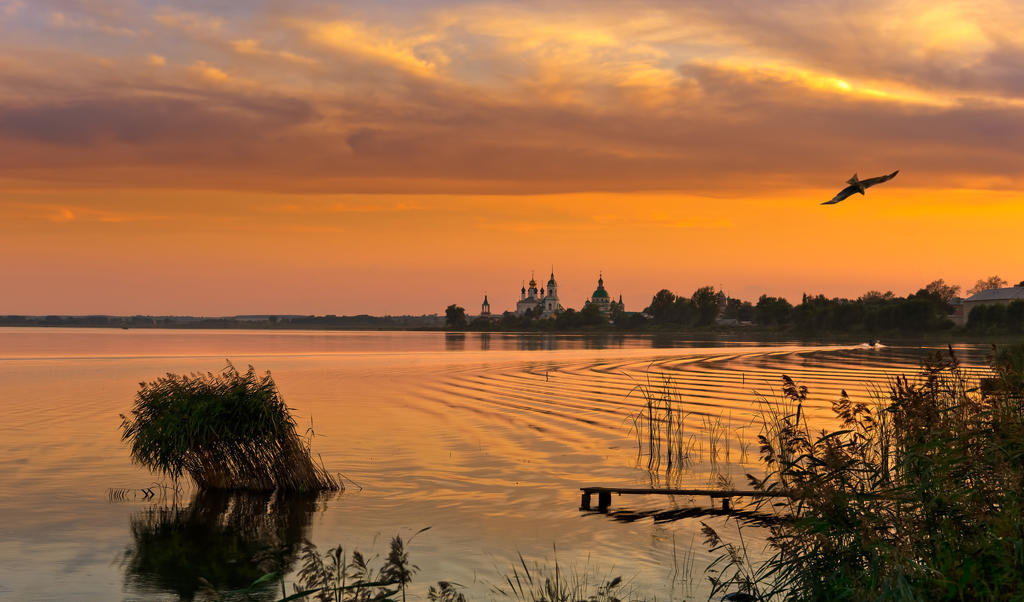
x=190, y=22
x=254, y=47
x=358, y=40
x=63, y=215
x=209, y=71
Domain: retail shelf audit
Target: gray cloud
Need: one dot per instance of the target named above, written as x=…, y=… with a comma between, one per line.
x=148, y=119
x=349, y=124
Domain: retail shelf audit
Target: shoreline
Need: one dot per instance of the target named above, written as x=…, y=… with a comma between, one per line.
x=742, y=333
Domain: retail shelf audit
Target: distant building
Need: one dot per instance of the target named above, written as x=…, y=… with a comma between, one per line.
x=602, y=299
x=485, y=308
x=551, y=304
x=994, y=296
x=532, y=298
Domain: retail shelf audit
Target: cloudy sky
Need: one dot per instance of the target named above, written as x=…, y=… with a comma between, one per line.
x=214, y=157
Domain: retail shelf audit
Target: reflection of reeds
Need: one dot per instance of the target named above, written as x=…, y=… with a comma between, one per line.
x=742, y=444
x=157, y=492
x=682, y=569
x=217, y=538
x=715, y=435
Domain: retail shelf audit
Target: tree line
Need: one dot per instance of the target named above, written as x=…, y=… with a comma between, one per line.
x=929, y=309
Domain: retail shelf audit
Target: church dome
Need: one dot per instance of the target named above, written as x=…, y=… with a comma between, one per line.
x=551, y=281
x=600, y=293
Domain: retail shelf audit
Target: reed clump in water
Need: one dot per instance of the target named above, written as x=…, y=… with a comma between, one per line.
x=228, y=430
x=919, y=496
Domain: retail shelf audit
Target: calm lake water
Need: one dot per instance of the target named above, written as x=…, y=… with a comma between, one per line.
x=484, y=438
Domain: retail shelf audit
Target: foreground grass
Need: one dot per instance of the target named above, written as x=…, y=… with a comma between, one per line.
x=341, y=576
x=919, y=496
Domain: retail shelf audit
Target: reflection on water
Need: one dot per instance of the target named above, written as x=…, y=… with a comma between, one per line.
x=750, y=518
x=82, y=343
x=454, y=341
x=228, y=540
x=485, y=437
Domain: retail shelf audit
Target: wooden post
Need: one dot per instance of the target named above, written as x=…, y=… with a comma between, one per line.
x=585, y=501
x=604, y=499
x=725, y=504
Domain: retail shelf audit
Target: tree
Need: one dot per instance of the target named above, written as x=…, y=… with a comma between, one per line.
x=876, y=296
x=685, y=311
x=987, y=284
x=591, y=315
x=455, y=317
x=568, y=319
x=617, y=314
x=480, y=323
x=663, y=306
x=510, y=321
x=939, y=288
x=706, y=302
x=771, y=311
x=627, y=319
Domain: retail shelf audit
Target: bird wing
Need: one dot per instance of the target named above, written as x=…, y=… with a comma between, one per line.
x=842, y=195
x=872, y=181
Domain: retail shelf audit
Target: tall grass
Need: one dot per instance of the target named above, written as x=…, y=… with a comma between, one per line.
x=541, y=582
x=337, y=575
x=675, y=441
x=228, y=430
x=660, y=426
x=919, y=495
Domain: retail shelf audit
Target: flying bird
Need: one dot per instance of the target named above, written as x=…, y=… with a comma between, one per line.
x=858, y=185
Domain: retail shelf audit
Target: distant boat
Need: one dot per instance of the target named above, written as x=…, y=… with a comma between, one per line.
x=859, y=186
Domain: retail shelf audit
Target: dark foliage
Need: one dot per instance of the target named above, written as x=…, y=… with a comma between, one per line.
x=455, y=317
x=997, y=318
x=919, y=496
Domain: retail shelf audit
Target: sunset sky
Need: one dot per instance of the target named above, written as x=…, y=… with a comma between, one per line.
x=392, y=157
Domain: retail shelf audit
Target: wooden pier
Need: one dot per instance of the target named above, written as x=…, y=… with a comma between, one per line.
x=604, y=494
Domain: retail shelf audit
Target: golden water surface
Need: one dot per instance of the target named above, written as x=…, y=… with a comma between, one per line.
x=484, y=438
